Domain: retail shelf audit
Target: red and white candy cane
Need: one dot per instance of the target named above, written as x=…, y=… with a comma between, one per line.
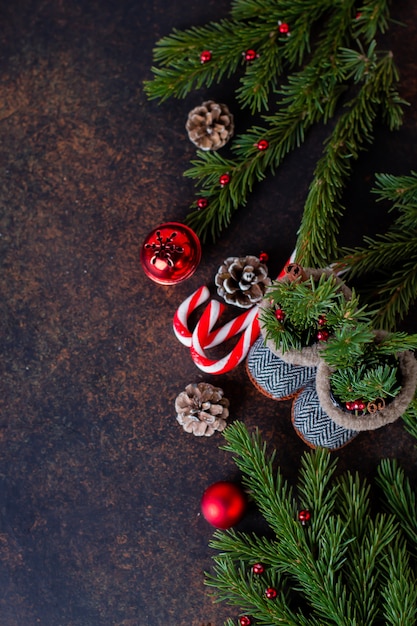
x=180, y=322
x=202, y=331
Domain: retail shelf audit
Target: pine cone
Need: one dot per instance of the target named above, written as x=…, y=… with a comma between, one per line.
x=242, y=281
x=201, y=409
x=210, y=125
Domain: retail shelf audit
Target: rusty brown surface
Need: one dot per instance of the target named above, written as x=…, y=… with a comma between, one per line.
x=100, y=487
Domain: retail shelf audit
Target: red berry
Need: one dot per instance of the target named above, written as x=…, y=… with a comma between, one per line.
x=262, y=144
x=202, y=203
x=224, y=179
x=304, y=516
x=323, y=335
x=205, y=56
x=271, y=593
x=258, y=568
x=280, y=315
x=250, y=55
x=321, y=321
x=283, y=28
x=245, y=620
x=263, y=257
x=361, y=405
x=349, y=406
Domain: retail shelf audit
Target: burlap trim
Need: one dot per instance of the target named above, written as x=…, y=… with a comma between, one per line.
x=308, y=356
x=392, y=411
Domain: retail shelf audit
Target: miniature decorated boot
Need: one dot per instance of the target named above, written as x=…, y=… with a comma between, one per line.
x=313, y=424
x=274, y=377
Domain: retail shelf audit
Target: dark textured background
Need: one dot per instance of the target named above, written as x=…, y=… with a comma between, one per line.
x=100, y=522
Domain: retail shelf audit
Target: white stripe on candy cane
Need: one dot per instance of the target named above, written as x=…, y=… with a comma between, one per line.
x=180, y=321
x=236, y=355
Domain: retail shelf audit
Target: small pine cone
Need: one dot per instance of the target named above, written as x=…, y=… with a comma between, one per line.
x=210, y=125
x=242, y=281
x=201, y=409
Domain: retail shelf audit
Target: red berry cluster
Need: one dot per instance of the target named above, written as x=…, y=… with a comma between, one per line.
x=356, y=405
x=322, y=334
x=280, y=314
x=304, y=516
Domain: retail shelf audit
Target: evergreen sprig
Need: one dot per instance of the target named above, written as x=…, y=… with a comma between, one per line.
x=365, y=364
x=389, y=260
x=314, y=71
x=347, y=567
x=353, y=132
x=305, y=304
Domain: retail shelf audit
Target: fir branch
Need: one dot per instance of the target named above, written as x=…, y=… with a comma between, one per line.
x=317, y=235
x=400, y=190
x=353, y=506
x=400, y=601
x=400, y=498
x=372, y=17
x=244, y=546
x=393, y=254
x=346, y=568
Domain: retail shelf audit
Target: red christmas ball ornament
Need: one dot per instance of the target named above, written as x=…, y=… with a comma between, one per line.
x=258, y=568
x=271, y=593
x=280, y=315
x=205, y=56
x=223, y=504
x=250, y=55
x=202, y=203
x=224, y=180
x=170, y=253
x=262, y=144
x=245, y=620
x=323, y=335
x=263, y=257
x=283, y=28
x=304, y=516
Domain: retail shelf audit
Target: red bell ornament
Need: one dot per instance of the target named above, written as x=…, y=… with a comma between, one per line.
x=170, y=253
x=223, y=504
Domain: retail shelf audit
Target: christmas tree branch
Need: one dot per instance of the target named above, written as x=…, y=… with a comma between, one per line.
x=345, y=567
x=317, y=235
x=393, y=254
x=400, y=498
x=310, y=95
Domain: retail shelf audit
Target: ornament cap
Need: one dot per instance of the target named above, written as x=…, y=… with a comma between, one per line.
x=170, y=253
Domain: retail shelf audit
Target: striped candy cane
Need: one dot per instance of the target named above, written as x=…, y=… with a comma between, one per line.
x=203, y=330
x=180, y=322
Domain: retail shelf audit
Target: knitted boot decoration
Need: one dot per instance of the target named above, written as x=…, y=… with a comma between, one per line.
x=313, y=425
x=274, y=377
